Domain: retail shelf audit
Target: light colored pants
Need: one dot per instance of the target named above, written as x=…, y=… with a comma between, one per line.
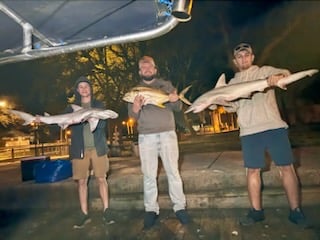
x=165, y=145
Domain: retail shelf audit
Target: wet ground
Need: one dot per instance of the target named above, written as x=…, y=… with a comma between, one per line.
x=209, y=224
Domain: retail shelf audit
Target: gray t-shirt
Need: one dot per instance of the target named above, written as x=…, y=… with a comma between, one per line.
x=154, y=119
x=87, y=134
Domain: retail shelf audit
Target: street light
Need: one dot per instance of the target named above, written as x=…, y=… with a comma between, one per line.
x=129, y=125
x=3, y=104
x=67, y=135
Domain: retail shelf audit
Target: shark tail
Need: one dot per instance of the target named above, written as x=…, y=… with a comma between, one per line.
x=182, y=97
x=28, y=118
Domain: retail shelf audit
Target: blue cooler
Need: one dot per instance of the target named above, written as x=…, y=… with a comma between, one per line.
x=53, y=171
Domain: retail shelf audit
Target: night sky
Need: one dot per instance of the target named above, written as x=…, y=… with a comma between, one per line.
x=262, y=23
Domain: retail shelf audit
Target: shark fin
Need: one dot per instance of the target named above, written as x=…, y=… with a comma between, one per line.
x=75, y=107
x=221, y=81
x=63, y=126
x=27, y=122
x=213, y=107
x=93, y=122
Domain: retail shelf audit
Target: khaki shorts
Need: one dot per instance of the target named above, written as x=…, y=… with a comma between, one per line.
x=81, y=167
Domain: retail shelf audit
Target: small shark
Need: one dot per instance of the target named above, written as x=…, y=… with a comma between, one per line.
x=229, y=92
x=79, y=115
x=153, y=96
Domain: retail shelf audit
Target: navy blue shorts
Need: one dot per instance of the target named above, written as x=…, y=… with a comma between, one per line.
x=275, y=142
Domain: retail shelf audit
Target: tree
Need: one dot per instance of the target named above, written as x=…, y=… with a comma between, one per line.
x=6, y=118
x=113, y=71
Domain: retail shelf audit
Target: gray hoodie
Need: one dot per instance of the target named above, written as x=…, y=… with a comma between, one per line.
x=261, y=112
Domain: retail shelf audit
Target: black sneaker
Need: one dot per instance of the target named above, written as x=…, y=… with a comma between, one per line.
x=149, y=219
x=183, y=216
x=252, y=217
x=82, y=220
x=107, y=217
x=296, y=216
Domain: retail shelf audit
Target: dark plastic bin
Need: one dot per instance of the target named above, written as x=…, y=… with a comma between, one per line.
x=27, y=166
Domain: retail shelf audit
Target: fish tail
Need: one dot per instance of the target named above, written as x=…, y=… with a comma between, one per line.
x=160, y=105
x=182, y=97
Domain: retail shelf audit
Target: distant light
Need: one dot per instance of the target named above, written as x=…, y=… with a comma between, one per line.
x=3, y=104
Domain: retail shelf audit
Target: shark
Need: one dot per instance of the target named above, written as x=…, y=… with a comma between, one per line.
x=79, y=115
x=153, y=96
x=223, y=93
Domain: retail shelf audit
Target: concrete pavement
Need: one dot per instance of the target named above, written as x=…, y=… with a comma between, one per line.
x=209, y=224
x=215, y=187
x=211, y=180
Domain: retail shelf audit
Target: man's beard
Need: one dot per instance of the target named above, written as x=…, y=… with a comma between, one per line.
x=147, y=78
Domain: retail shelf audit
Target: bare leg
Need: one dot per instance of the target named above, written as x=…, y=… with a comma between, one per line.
x=290, y=184
x=254, y=187
x=83, y=194
x=103, y=190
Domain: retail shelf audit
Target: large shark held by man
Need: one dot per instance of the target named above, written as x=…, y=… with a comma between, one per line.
x=79, y=115
x=153, y=96
x=223, y=93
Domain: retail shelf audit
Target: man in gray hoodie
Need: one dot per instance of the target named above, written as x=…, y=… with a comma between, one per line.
x=261, y=130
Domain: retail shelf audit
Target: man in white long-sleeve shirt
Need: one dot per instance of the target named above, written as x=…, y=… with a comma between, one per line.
x=261, y=130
